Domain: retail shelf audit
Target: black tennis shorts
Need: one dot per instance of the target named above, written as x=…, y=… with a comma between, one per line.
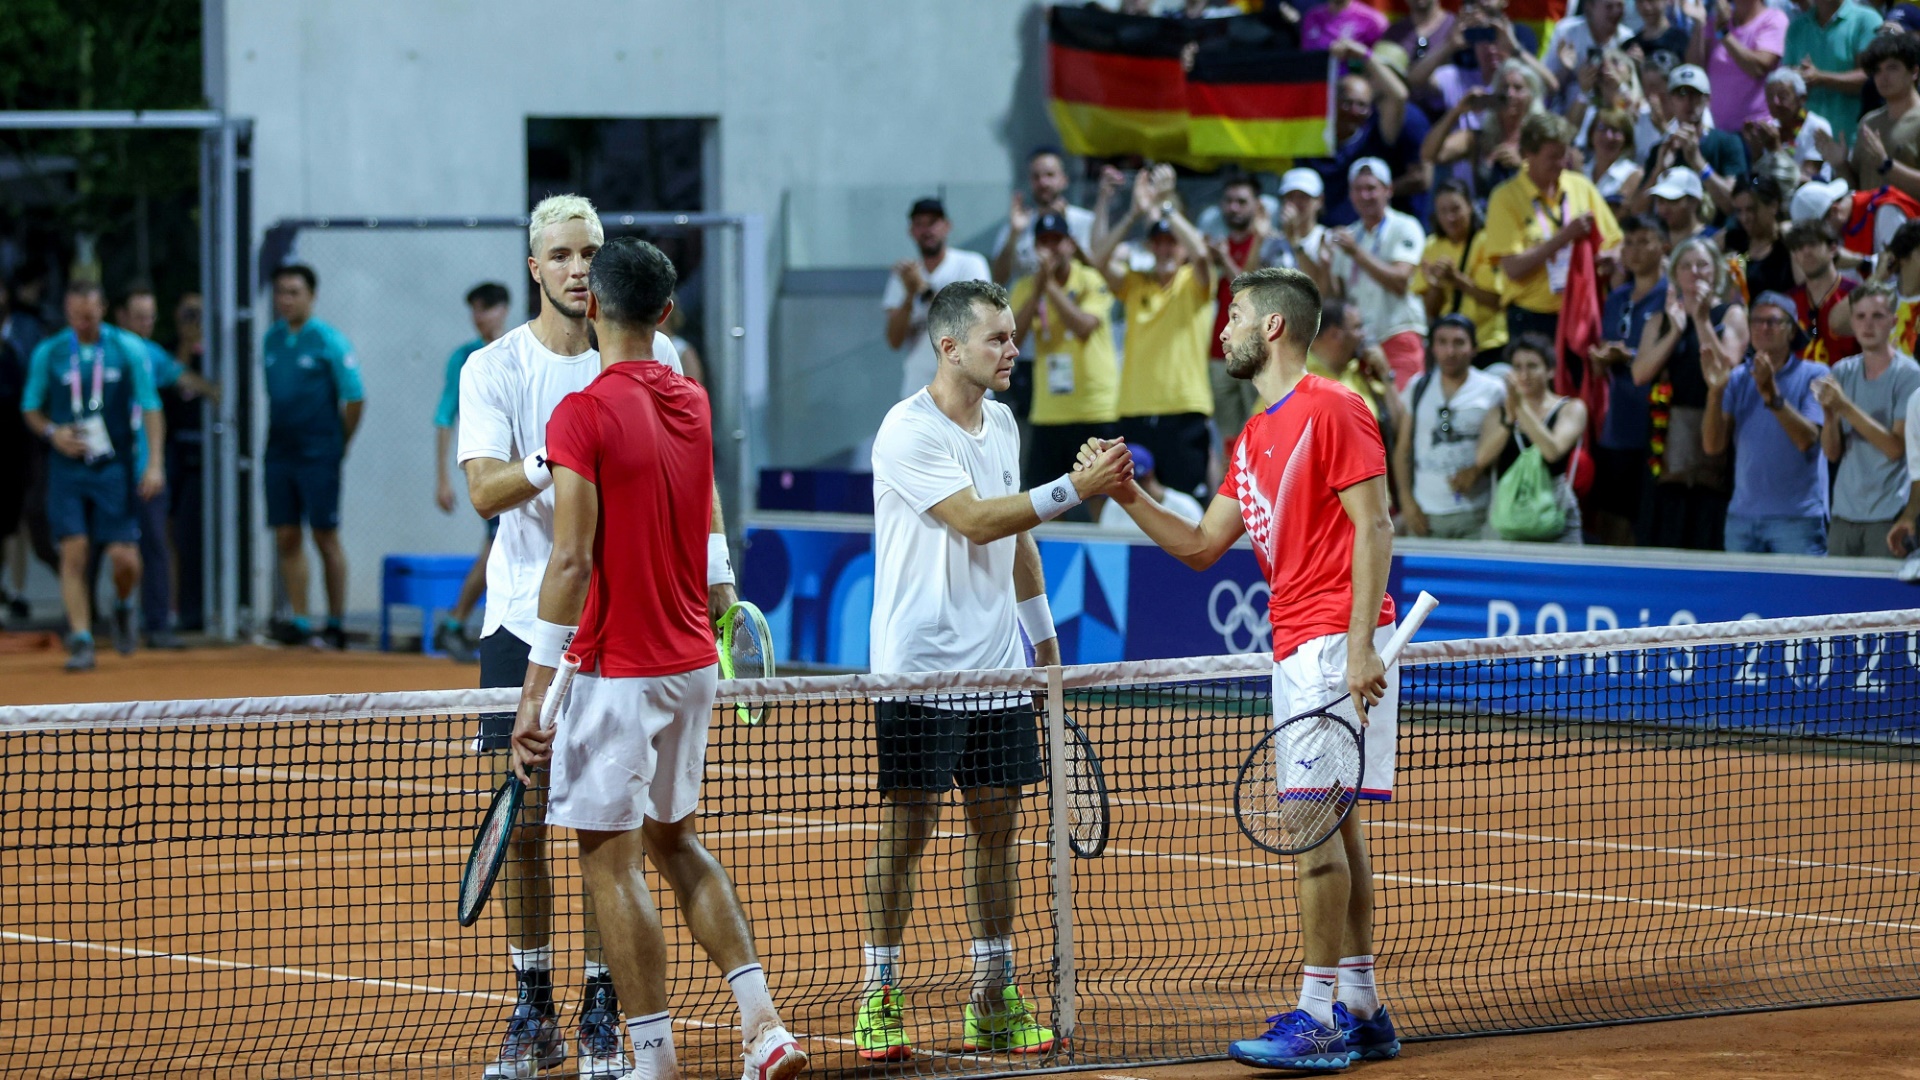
x=926, y=748
x=503, y=662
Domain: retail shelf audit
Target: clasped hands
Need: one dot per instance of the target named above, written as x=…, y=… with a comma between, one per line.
x=1104, y=467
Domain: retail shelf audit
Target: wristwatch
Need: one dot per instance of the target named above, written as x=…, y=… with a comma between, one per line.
x=1887, y=165
x=1773, y=403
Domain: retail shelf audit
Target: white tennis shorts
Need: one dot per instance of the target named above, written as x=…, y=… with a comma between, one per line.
x=625, y=750
x=1315, y=674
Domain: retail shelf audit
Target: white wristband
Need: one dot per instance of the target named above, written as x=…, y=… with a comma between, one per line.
x=1036, y=618
x=1055, y=499
x=549, y=644
x=537, y=470
x=719, y=562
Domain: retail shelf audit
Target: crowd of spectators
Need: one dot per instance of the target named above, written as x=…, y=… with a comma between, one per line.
x=1726, y=187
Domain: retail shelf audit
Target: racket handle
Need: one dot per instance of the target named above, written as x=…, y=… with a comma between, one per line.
x=557, y=691
x=1423, y=606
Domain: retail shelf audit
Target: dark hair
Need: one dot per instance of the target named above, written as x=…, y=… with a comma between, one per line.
x=1453, y=185
x=1458, y=322
x=300, y=270
x=488, y=294
x=1762, y=186
x=1805, y=234
x=633, y=281
x=1333, y=314
x=953, y=313
x=1533, y=342
x=1288, y=293
x=1238, y=178
x=1046, y=150
x=1904, y=48
x=1904, y=240
x=85, y=287
x=1646, y=223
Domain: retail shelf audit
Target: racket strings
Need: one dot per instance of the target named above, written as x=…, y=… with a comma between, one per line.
x=1309, y=777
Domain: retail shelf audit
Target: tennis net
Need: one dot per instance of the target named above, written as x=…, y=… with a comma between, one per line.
x=1586, y=829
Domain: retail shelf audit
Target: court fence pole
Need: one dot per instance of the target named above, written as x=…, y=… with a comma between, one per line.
x=1059, y=798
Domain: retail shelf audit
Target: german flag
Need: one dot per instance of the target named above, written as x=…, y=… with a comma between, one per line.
x=1115, y=83
x=1259, y=107
x=1539, y=14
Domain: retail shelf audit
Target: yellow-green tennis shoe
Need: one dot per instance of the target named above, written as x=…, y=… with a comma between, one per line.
x=1011, y=1028
x=880, y=1029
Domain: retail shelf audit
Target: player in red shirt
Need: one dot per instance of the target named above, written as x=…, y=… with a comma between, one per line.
x=1308, y=484
x=630, y=548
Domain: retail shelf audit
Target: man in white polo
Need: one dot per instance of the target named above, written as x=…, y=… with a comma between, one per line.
x=1373, y=263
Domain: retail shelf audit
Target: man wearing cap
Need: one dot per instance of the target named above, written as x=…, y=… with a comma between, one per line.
x=1114, y=516
x=1862, y=222
x=1766, y=410
x=1625, y=433
x=1717, y=157
x=915, y=281
x=1824, y=40
x=1371, y=119
x=1865, y=402
x=1066, y=310
x=1013, y=250
x=1373, y=263
x=1676, y=198
x=1533, y=220
x=1165, y=399
x=1886, y=148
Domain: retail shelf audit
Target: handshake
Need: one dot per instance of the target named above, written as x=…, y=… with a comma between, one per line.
x=1105, y=467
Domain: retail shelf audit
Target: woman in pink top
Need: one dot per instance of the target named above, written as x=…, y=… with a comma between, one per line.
x=1739, y=45
x=1337, y=19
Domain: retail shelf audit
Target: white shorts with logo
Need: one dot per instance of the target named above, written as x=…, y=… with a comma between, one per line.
x=1315, y=674
x=625, y=750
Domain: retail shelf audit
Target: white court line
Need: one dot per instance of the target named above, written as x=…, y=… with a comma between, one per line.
x=1543, y=838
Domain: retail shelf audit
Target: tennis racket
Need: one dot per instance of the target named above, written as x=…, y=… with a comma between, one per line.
x=1086, y=795
x=746, y=652
x=1300, y=781
x=496, y=829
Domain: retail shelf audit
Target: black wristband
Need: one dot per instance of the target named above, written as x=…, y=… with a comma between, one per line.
x=927, y=294
x=1886, y=166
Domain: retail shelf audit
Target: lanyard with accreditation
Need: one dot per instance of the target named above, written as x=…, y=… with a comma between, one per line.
x=1549, y=224
x=88, y=422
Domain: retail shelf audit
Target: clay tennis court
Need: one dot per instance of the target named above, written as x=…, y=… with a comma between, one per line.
x=276, y=899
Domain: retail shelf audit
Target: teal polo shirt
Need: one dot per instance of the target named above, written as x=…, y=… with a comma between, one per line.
x=310, y=373
x=449, y=410
x=1833, y=47
x=61, y=362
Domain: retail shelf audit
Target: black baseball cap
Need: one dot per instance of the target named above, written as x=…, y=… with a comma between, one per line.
x=1163, y=227
x=1051, y=224
x=928, y=205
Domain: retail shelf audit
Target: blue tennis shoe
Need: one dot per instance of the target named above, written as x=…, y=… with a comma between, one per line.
x=1372, y=1039
x=1295, y=1041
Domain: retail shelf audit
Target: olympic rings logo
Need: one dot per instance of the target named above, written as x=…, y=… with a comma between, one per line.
x=1243, y=625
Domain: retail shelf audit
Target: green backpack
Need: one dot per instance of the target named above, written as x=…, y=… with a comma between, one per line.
x=1525, y=505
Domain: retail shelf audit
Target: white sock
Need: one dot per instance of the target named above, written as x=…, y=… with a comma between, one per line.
x=597, y=971
x=1356, y=986
x=880, y=966
x=540, y=959
x=992, y=968
x=652, y=1047
x=1316, y=992
x=756, y=1004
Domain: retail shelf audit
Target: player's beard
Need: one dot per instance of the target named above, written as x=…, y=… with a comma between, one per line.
x=1245, y=357
x=561, y=306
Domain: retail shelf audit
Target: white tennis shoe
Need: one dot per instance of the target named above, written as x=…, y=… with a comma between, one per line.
x=775, y=1055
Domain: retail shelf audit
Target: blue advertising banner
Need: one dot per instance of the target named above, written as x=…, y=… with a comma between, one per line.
x=1119, y=600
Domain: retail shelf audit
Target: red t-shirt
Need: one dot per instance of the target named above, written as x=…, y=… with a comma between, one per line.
x=1240, y=249
x=643, y=436
x=1823, y=345
x=1288, y=469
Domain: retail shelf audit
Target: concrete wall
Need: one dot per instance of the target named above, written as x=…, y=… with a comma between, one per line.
x=398, y=107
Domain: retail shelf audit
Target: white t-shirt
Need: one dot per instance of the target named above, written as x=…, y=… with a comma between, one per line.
x=919, y=363
x=940, y=601
x=1399, y=239
x=1114, y=516
x=1025, y=262
x=1913, y=439
x=508, y=391
x=1438, y=454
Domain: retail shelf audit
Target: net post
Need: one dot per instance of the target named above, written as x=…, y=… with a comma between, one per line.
x=1062, y=853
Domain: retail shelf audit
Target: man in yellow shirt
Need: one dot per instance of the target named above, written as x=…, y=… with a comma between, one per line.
x=1165, y=397
x=1067, y=308
x=1533, y=221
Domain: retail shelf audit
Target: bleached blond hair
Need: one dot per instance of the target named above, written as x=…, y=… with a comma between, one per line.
x=555, y=209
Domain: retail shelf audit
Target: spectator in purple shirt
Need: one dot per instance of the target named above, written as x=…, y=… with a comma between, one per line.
x=1767, y=410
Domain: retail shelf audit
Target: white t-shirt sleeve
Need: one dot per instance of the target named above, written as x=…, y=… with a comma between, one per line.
x=896, y=293
x=665, y=352
x=1408, y=241
x=976, y=268
x=912, y=461
x=1913, y=439
x=486, y=410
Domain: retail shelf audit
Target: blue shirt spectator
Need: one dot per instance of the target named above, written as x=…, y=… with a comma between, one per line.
x=1390, y=130
x=1628, y=424
x=311, y=372
x=1766, y=408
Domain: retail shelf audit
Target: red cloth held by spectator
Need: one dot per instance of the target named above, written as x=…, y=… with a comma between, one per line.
x=1578, y=332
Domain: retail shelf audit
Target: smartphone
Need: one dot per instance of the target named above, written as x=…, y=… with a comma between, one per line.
x=1479, y=35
